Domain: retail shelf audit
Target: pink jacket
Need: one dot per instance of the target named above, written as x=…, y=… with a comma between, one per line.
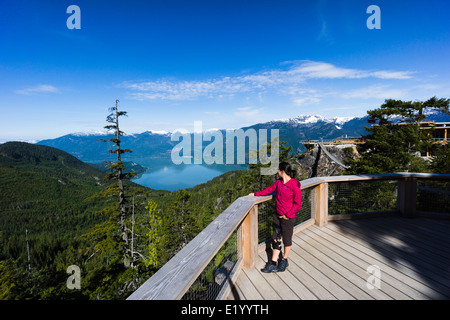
x=289, y=197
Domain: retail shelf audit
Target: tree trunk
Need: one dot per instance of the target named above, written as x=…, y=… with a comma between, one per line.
x=123, y=212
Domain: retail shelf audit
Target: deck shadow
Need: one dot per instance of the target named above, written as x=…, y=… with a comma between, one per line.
x=419, y=246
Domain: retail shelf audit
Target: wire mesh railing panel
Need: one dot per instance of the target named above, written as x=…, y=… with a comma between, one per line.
x=433, y=196
x=305, y=213
x=265, y=220
x=266, y=210
x=361, y=197
x=217, y=273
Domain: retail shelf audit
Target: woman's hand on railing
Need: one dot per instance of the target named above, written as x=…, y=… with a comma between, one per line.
x=251, y=194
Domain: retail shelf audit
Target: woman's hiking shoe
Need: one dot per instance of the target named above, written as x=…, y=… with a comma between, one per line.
x=271, y=266
x=282, y=265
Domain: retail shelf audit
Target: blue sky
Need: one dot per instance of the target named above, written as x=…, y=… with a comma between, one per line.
x=226, y=63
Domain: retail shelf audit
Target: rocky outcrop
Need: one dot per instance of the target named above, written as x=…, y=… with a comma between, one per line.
x=315, y=163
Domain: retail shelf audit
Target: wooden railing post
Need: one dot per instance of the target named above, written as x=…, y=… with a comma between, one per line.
x=249, y=231
x=320, y=204
x=406, y=196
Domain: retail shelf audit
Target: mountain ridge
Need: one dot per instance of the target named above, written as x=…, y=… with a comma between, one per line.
x=158, y=144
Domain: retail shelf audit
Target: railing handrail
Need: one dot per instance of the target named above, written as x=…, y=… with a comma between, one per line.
x=177, y=275
x=349, y=139
x=379, y=176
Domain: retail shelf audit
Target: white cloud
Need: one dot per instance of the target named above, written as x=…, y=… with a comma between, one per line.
x=287, y=81
x=248, y=112
x=375, y=91
x=185, y=90
x=305, y=100
x=39, y=89
x=341, y=108
x=212, y=113
x=322, y=70
x=431, y=87
x=393, y=74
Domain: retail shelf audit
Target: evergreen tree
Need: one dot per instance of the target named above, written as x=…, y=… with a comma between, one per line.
x=117, y=173
x=441, y=160
x=180, y=224
x=153, y=236
x=395, y=140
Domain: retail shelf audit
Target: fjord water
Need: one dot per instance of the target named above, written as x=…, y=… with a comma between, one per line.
x=163, y=174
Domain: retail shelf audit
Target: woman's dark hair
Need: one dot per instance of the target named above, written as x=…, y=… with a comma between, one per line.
x=286, y=167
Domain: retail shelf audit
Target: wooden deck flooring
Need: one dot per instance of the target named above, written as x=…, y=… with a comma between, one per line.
x=413, y=257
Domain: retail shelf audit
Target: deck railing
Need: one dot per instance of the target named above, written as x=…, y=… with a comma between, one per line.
x=207, y=266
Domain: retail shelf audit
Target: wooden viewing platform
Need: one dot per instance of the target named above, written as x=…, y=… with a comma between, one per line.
x=331, y=262
x=310, y=144
x=381, y=236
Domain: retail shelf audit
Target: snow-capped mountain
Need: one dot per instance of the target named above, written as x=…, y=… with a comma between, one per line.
x=431, y=115
x=90, y=147
x=436, y=116
x=90, y=133
x=157, y=144
x=311, y=119
x=156, y=132
x=315, y=127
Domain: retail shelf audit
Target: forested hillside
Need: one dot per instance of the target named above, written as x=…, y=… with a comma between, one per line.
x=44, y=210
x=43, y=190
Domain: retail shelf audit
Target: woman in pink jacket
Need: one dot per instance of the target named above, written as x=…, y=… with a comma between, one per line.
x=288, y=202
